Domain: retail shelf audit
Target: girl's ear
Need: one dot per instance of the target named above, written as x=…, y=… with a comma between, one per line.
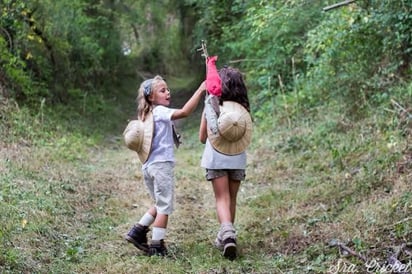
x=151, y=97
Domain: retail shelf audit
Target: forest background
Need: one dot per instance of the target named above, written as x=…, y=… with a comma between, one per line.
x=329, y=168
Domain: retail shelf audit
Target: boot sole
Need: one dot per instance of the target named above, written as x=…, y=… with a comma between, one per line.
x=229, y=251
x=140, y=246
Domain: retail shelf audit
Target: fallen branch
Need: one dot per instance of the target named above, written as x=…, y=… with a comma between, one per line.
x=337, y=5
x=401, y=108
x=342, y=246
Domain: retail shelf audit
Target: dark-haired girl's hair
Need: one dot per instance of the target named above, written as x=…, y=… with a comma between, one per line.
x=233, y=87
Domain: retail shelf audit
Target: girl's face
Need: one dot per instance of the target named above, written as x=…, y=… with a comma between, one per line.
x=160, y=94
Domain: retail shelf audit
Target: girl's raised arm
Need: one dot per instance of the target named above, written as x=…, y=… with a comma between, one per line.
x=191, y=104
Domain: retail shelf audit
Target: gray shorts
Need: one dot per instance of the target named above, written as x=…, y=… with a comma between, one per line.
x=159, y=180
x=233, y=174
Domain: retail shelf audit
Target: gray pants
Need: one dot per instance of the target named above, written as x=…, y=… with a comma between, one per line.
x=159, y=180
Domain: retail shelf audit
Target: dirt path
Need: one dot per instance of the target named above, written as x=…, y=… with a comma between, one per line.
x=194, y=202
x=75, y=206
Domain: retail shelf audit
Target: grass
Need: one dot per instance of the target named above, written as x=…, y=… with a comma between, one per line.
x=69, y=195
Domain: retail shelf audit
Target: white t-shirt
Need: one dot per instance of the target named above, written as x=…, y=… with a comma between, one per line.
x=212, y=159
x=162, y=143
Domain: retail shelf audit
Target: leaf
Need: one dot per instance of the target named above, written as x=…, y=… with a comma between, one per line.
x=23, y=223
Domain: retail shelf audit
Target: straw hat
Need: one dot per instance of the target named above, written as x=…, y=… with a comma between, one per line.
x=234, y=129
x=138, y=136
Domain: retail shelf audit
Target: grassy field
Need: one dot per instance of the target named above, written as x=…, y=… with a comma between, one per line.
x=325, y=193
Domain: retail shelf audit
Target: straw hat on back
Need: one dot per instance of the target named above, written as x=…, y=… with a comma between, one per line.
x=138, y=136
x=234, y=129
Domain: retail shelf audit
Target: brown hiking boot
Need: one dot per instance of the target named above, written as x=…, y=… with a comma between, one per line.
x=157, y=248
x=138, y=237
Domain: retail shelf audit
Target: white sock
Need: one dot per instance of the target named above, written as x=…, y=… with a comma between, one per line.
x=146, y=220
x=158, y=233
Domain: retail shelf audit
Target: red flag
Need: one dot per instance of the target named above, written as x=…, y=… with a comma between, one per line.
x=213, y=81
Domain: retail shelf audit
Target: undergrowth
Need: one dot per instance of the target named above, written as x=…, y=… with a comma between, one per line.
x=318, y=180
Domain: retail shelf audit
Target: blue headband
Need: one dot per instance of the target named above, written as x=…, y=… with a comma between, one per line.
x=147, y=87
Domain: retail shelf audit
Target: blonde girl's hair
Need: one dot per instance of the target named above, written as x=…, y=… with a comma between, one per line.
x=144, y=105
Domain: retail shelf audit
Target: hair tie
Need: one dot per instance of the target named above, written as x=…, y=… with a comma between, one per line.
x=147, y=87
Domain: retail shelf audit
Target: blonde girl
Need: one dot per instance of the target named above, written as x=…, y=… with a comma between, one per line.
x=158, y=170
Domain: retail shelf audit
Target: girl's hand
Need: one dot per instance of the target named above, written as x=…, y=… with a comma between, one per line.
x=202, y=86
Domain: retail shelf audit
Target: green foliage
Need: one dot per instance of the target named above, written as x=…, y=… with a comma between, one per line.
x=353, y=53
x=91, y=46
x=61, y=49
x=85, y=45
x=17, y=59
x=316, y=168
x=67, y=196
x=16, y=79
x=14, y=72
x=356, y=53
x=265, y=40
x=395, y=21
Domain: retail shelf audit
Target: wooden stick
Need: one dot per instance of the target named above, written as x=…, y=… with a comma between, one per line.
x=347, y=249
x=350, y=251
x=401, y=108
x=203, y=49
